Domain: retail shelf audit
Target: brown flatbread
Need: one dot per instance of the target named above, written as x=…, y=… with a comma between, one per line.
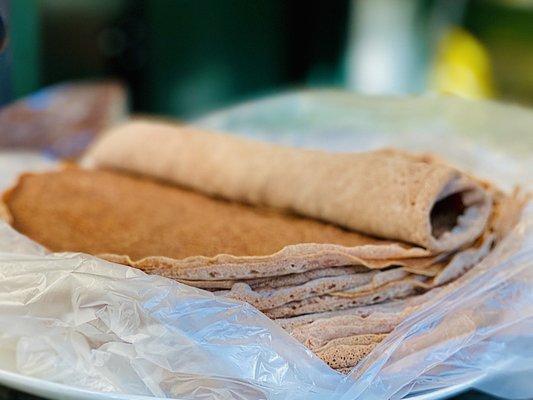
x=319, y=327
x=348, y=351
x=388, y=193
x=344, y=283
x=281, y=281
x=271, y=298
x=317, y=334
x=397, y=306
x=457, y=266
x=321, y=282
x=181, y=234
x=427, y=266
x=383, y=290
x=395, y=290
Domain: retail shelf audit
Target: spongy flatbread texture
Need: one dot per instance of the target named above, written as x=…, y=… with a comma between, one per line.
x=270, y=298
x=394, y=307
x=386, y=193
x=348, y=351
x=391, y=307
x=182, y=234
x=328, y=329
x=317, y=334
x=321, y=282
x=343, y=282
x=281, y=281
x=391, y=291
x=384, y=286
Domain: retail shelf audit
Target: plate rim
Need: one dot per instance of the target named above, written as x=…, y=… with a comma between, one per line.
x=53, y=390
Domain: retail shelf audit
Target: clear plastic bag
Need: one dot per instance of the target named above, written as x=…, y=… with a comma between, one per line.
x=78, y=320
x=75, y=319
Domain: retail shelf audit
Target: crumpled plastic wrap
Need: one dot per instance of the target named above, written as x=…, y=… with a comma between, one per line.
x=75, y=319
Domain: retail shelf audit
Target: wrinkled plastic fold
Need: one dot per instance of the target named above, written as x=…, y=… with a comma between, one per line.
x=81, y=321
x=78, y=320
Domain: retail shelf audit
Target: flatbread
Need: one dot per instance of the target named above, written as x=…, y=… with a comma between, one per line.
x=395, y=306
x=281, y=281
x=317, y=334
x=344, y=283
x=395, y=290
x=335, y=289
x=388, y=193
x=400, y=286
x=427, y=266
x=181, y=234
x=398, y=306
x=348, y=351
x=457, y=266
x=328, y=329
x=271, y=298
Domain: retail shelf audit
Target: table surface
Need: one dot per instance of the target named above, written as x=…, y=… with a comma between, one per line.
x=10, y=394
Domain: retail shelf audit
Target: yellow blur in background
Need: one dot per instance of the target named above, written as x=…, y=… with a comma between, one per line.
x=462, y=67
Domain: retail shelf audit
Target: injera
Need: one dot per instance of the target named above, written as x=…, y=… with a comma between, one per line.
x=386, y=193
x=135, y=221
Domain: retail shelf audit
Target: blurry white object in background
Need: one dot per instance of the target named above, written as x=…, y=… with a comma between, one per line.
x=412, y=46
x=383, y=47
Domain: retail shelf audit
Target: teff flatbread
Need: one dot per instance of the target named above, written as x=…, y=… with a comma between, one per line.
x=182, y=234
x=384, y=286
x=386, y=193
x=326, y=302
x=271, y=298
x=348, y=351
x=293, y=232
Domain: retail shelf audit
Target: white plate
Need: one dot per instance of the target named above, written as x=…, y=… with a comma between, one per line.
x=56, y=391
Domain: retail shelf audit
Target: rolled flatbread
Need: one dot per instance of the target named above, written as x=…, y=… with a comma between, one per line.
x=387, y=193
x=185, y=235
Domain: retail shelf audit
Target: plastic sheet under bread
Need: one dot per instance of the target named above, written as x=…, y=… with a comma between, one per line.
x=81, y=321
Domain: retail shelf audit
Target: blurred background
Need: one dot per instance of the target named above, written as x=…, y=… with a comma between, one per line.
x=183, y=58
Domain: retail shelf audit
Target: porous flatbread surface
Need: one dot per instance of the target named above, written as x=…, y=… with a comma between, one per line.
x=333, y=330
x=183, y=234
x=386, y=193
x=320, y=290
x=348, y=351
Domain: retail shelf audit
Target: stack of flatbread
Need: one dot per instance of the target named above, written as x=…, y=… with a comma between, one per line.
x=337, y=247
